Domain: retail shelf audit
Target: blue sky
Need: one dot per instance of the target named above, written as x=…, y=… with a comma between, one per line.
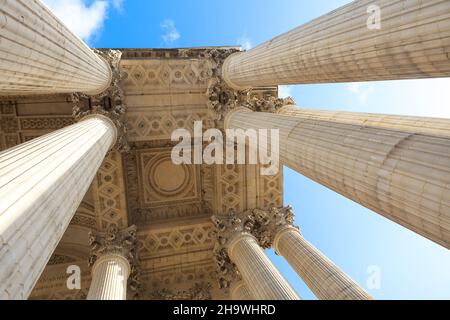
x=355, y=238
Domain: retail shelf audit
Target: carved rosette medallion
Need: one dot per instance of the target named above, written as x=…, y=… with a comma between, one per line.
x=109, y=103
x=120, y=242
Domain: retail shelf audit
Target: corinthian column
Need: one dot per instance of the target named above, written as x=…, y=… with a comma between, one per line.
x=42, y=183
x=424, y=125
x=39, y=55
x=400, y=173
x=236, y=248
x=348, y=44
x=113, y=254
x=322, y=276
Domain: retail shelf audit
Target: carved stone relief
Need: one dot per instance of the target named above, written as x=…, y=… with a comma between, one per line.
x=159, y=191
x=159, y=242
x=109, y=193
x=158, y=124
x=199, y=291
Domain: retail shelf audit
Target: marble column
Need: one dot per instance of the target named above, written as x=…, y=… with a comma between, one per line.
x=346, y=45
x=262, y=278
x=109, y=278
x=425, y=125
x=240, y=291
x=402, y=174
x=39, y=55
x=42, y=183
x=113, y=254
x=326, y=280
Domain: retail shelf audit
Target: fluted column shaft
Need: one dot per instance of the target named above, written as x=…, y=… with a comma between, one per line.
x=423, y=125
x=403, y=175
x=42, y=183
x=413, y=42
x=322, y=276
x=262, y=278
x=240, y=291
x=109, y=278
x=39, y=55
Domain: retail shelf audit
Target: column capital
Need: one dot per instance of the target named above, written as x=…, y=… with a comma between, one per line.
x=268, y=104
x=221, y=97
x=224, y=98
x=217, y=57
x=110, y=102
x=228, y=228
x=115, y=242
x=270, y=224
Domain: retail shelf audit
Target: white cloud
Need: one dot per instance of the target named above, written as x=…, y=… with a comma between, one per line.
x=284, y=91
x=421, y=97
x=171, y=33
x=118, y=5
x=245, y=42
x=361, y=90
x=82, y=17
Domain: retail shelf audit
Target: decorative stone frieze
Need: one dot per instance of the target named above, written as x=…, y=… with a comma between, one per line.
x=199, y=291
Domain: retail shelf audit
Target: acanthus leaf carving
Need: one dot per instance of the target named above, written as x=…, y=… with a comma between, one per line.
x=121, y=242
x=267, y=223
x=222, y=98
x=226, y=228
x=268, y=104
x=109, y=103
